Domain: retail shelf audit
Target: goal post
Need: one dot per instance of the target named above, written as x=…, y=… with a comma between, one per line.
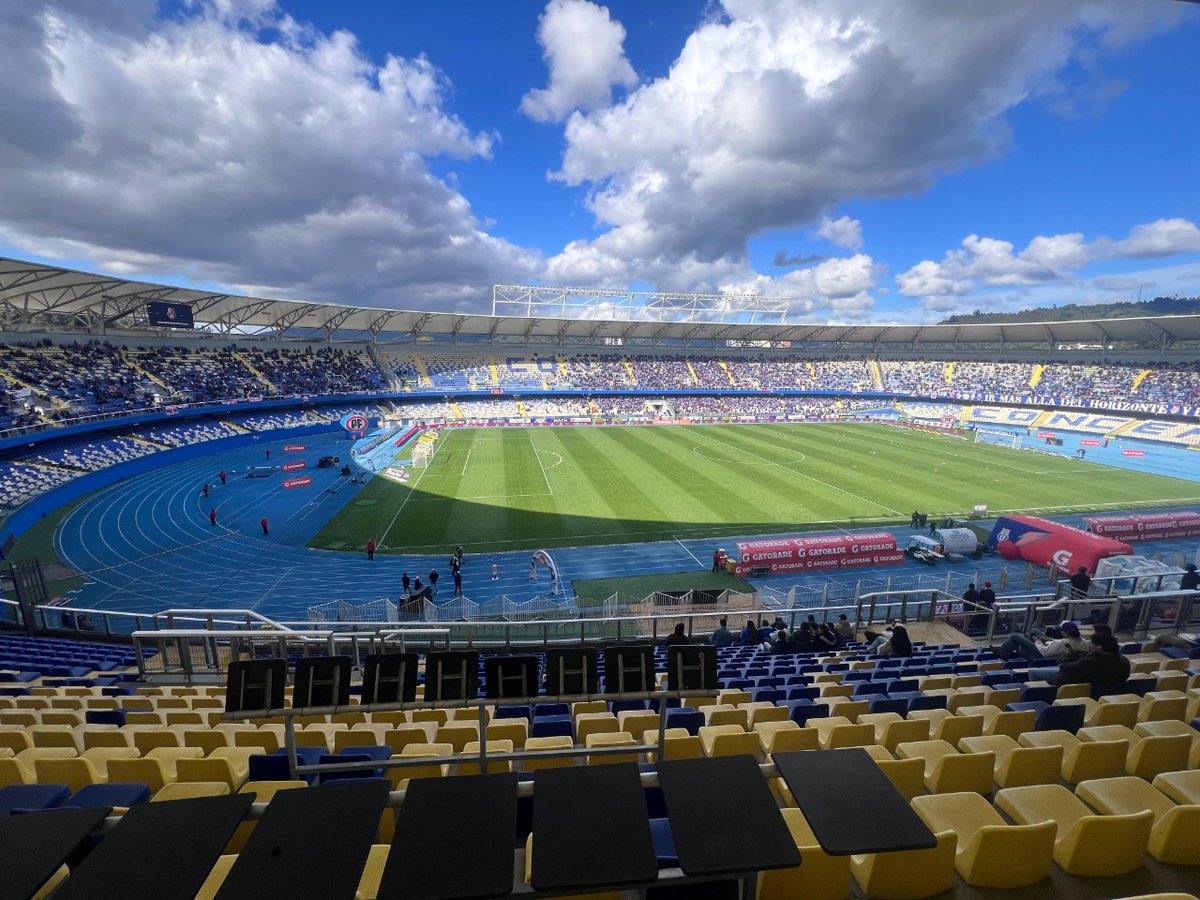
x=421, y=454
x=1000, y=438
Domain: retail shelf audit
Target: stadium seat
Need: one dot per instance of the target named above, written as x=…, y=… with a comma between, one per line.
x=990, y=852
x=907, y=875
x=1017, y=766
x=948, y=771
x=1175, y=836
x=1085, y=844
x=820, y=877
x=1081, y=760
x=32, y=797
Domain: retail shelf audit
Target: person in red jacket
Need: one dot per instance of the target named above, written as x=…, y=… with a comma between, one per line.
x=263, y=523
x=212, y=516
x=370, y=548
x=222, y=476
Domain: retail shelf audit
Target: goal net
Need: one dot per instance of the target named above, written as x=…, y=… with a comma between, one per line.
x=1000, y=438
x=421, y=455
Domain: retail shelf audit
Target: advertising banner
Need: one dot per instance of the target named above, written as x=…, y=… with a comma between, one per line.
x=1134, y=452
x=1089, y=443
x=294, y=448
x=294, y=466
x=1146, y=526
x=802, y=554
x=302, y=481
x=1045, y=543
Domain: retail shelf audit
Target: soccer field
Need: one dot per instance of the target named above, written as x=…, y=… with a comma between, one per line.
x=515, y=488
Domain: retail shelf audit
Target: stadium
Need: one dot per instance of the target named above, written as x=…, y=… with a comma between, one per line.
x=708, y=450
x=192, y=480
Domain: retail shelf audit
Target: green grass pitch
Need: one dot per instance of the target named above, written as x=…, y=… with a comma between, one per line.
x=516, y=488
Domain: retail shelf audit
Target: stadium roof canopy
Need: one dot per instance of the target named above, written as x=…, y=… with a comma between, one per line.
x=37, y=298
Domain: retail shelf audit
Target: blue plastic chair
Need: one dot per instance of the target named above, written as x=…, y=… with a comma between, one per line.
x=1068, y=717
x=684, y=717
x=1046, y=693
x=768, y=695
x=803, y=710
x=34, y=797
x=888, y=704
x=92, y=796
x=552, y=726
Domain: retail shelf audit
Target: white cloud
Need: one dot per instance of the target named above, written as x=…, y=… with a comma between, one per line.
x=233, y=145
x=845, y=232
x=584, y=50
x=983, y=262
x=774, y=112
x=1163, y=237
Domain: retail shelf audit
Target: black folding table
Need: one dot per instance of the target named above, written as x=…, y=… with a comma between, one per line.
x=851, y=806
x=454, y=839
x=158, y=851
x=591, y=829
x=310, y=843
x=33, y=846
x=723, y=817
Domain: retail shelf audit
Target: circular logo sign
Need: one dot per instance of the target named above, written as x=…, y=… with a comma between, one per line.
x=355, y=422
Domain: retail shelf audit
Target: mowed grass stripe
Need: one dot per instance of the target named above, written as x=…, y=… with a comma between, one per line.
x=621, y=484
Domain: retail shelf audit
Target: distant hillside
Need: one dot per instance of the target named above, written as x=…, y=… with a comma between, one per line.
x=1159, y=306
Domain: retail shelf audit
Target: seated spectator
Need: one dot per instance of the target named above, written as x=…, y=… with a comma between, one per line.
x=844, y=628
x=677, y=637
x=750, y=634
x=1037, y=646
x=1103, y=666
x=780, y=642
x=722, y=636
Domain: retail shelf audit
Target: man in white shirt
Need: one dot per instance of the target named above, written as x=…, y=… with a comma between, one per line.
x=1036, y=646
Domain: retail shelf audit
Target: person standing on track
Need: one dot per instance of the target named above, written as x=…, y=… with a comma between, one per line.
x=370, y=548
x=495, y=571
x=222, y=476
x=212, y=516
x=263, y=523
x=533, y=568
x=457, y=581
x=204, y=491
x=716, y=561
x=268, y=452
x=405, y=584
x=433, y=580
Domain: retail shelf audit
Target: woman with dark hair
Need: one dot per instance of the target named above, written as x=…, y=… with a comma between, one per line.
x=899, y=644
x=827, y=638
x=750, y=633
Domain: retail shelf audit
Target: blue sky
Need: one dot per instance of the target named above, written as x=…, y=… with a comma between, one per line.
x=874, y=162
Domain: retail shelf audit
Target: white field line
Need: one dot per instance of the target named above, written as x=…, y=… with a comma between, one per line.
x=412, y=489
x=534, y=448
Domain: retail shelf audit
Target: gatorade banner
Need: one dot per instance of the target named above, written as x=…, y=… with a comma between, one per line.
x=1134, y=452
x=803, y=554
x=1146, y=526
x=294, y=466
x=302, y=481
x=1089, y=443
x=1045, y=543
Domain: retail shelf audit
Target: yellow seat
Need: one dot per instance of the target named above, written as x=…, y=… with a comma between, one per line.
x=908, y=775
x=75, y=772
x=493, y=765
x=847, y=708
x=147, y=739
x=100, y=757
x=1182, y=787
x=53, y=736
x=891, y=732
x=393, y=718
x=261, y=740
x=635, y=721
x=458, y=734
x=1017, y=766
x=438, y=716
x=401, y=775
x=908, y=874
x=190, y=790
x=611, y=739
x=1081, y=760
x=219, y=872
x=821, y=877
x=361, y=735
x=15, y=740
x=1085, y=844
x=585, y=707
x=1175, y=837
x=680, y=746
x=1148, y=755
x=514, y=730
x=594, y=723
x=990, y=852
x=732, y=697
x=935, y=683
x=92, y=736
x=778, y=736
x=998, y=721
x=606, y=895
x=62, y=717
x=228, y=765
x=1156, y=706
x=948, y=771
x=768, y=713
x=1097, y=713
x=559, y=742
x=143, y=770
x=1170, y=727
x=952, y=728
x=14, y=771
x=401, y=736
x=728, y=740
x=206, y=740
x=724, y=714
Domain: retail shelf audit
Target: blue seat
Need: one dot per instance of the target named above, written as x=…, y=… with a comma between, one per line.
x=1068, y=717
x=771, y=681
x=684, y=717
x=740, y=684
x=803, y=693
x=903, y=685
x=552, y=726
x=927, y=701
x=1046, y=693
x=551, y=709
x=794, y=680
x=32, y=797
x=92, y=796
x=349, y=755
x=664, y=843
x=619, y=706
x=274, y=766
x=513, y=712
x=803, y=710
x=870, y=687
x=889, y=704
x=104, y=717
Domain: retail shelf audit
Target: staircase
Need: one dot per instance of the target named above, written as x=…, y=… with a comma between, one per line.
x=1124, y=429
x=423, y=379
x=692, y=373
x=949, y=373
x=521, y=410
x=1138, y=379
x=145, y=373
x=1037, y=375
x=454, y=408
x=563, y=370
x=629, y=372
x=254, y=370
x=52, y=466
x=876, y=374
x=729, y=375
x=388, y=373
x=240, y=429
x=149, y=442
x=493, y=371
